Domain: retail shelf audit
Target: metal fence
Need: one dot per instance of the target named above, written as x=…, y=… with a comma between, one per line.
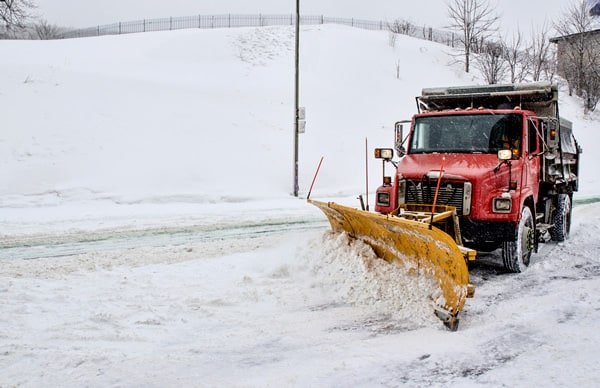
x=233, y=20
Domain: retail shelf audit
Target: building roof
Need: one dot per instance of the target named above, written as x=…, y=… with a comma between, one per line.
x=567, y=37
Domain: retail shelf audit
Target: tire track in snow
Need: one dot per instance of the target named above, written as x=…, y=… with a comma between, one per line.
x=38, y=246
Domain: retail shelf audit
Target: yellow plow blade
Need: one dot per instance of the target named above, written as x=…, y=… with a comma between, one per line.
x=423, y=250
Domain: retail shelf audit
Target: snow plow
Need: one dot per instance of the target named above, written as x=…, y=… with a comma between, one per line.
x=417, y=239
x=509, y=168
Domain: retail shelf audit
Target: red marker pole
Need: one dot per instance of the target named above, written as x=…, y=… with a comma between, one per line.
x=314, y=178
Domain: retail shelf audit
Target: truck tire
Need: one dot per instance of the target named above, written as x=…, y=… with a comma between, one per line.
x=562, y=219
x=516, y=254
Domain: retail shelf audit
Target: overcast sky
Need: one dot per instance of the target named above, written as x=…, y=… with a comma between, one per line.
x=86, y=13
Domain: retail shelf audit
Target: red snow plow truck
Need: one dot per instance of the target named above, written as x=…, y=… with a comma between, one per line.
x=480, y=168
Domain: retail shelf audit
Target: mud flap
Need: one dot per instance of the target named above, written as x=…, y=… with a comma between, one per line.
x=422, y=250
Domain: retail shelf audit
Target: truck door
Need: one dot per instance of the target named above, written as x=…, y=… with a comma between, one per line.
x=531, y=157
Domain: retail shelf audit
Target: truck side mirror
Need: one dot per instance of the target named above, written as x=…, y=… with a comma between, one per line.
x=399, y=136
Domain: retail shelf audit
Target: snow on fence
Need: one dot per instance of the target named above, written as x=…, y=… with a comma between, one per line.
x=233, y=20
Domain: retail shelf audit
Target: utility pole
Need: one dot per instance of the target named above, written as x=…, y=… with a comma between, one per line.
x=296, y=99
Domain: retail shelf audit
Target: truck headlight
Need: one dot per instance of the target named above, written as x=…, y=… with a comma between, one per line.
x=502, y=205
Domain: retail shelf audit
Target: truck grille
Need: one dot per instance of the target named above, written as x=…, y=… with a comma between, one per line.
x=451, y=193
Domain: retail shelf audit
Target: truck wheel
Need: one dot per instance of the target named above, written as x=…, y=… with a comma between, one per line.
x=562, y=219
x=516, y=254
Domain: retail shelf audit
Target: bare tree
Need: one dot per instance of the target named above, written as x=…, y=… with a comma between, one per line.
x=492, y=63
x=579, y=52
x=476, y=20
x=539, y=53
x=397, y=27
x=44, y=30
x=515, y=56
x=392, y=37
x=551, y=67
x=591, y=94
x=403, y=27
x=14, y=13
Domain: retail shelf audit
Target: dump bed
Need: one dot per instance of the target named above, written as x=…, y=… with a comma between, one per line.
x=539, y=97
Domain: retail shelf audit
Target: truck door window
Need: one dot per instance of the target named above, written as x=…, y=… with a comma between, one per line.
x=506, y=133
x=532, y=135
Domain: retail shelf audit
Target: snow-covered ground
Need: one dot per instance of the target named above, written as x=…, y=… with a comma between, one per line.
x=163, y=162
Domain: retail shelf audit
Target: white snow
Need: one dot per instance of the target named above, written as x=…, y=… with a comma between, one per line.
x=163, y=162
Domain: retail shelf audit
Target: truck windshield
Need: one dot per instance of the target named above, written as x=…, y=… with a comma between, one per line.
x=469, y=133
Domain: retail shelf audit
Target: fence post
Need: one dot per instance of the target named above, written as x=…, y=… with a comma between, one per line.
x=229, y=20
x=119, y=28
x=170, y=23
x=144, y=25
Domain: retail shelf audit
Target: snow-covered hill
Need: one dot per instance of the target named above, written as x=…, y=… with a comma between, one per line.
x=193, y=130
